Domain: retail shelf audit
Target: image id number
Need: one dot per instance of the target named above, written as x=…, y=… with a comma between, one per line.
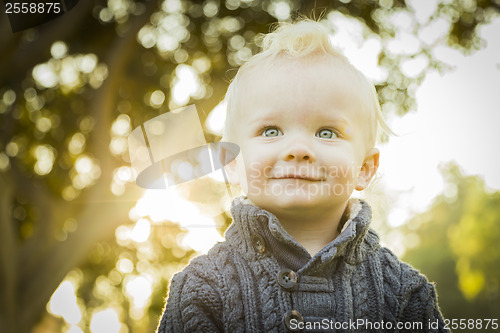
x=471, y=324
x=32, y=8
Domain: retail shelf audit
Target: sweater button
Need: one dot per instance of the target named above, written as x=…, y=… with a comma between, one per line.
x=258, y=243
x=287, y=278
x=291, y=320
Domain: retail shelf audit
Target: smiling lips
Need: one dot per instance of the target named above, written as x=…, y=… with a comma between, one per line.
x=303, y=177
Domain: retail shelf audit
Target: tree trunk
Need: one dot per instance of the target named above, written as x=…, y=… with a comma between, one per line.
x=31, y=270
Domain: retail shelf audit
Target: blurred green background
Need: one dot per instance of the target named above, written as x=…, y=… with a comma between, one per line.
x=79, y=250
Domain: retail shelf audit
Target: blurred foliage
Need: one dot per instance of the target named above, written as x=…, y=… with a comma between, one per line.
x=456, y=243
x=71, y=91
x=112, y=266
x=466, y=17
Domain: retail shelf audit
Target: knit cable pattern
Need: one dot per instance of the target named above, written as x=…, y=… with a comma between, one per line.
x=234, y=287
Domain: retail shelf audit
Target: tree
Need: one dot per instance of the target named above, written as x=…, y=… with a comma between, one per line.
x=72, y=89
x=457, y=246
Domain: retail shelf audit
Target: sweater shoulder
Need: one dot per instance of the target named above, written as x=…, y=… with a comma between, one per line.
x=210, y=262
x=201, y=294
x=210, y=266
x=398, y=275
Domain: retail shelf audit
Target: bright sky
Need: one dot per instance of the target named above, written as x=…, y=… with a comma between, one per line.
x=457, y=120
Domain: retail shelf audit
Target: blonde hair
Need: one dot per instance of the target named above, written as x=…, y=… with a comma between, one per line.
x=302, y=39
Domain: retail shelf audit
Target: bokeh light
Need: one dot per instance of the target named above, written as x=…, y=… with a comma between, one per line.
x=63, y=303
x=106, y=321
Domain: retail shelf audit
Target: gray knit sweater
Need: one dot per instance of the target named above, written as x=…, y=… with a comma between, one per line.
x=261, y=280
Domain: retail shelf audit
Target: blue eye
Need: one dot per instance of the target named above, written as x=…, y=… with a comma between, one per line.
x=271, y=132
x=326, y=134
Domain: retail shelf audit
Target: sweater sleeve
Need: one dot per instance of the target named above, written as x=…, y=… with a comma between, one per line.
x=419, y=303
x=422, y=307
x=411, y=297
x=193, y=304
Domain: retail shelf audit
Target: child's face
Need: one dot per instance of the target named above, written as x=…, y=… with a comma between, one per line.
x=302, y=132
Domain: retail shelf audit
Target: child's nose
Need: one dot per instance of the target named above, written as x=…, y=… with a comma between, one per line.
x=298, y=150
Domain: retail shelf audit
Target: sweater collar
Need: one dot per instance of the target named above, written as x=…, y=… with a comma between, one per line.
x=353, y=243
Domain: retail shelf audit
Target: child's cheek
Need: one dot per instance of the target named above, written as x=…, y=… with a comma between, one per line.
x=255, y=177
x=342, y=175
x=253, y=171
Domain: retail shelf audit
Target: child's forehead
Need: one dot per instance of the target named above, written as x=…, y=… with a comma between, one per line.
x=326, y=76
x=294, y=81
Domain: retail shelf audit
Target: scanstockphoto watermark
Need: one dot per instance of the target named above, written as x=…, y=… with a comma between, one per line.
x=298, y=187
x=362, y=324
x=304, y=170
x=304, y=180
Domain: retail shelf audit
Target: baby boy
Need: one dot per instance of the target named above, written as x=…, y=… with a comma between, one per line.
x=300, y=254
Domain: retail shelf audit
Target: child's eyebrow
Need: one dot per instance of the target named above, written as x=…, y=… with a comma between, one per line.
x=268, y=119
x=341, y=120
x=273, y=117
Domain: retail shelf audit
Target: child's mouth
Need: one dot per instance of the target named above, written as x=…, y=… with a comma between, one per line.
x=299, y=177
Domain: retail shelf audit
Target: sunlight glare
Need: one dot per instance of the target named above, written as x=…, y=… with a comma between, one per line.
x=140, y=232
x=216, y=119
x=404, y=43
x=121, y=126
x=76, y=144
x=45, y=76
x=169, y=205
x=125, y=265
x=63, y=303
x=83, y=164
x=59, y=49
x=87, y=63
x=45, y=159
x=434, y=31
x=185, y=85
x=43, y=124
x=118, y=145
x=105, y=321
x=413, y=67
x=139, y=290
x=69, y=75
x=201, y=239
x=9, y=97
x=157, y=99
x=280, y=10
x=361, y=51
x=74, y=329
x=398, y=216
x=423, y=9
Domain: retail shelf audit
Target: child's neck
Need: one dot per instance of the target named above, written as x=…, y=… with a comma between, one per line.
x=313, y=231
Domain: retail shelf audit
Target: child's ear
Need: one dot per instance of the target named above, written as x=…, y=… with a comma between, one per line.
x=368, y=169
